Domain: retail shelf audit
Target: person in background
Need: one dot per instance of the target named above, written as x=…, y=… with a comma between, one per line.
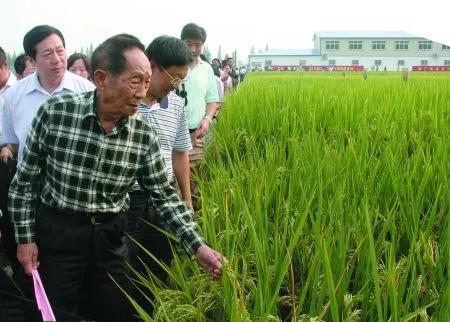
x=202, y=95
x=234, y=73
x=225, y=78
x=242, y=73
x=23, y=66
x=215, y=62
x=220, y=87
x=7, y=78
x=164, y=110
x=79, y=64
x=7, y=168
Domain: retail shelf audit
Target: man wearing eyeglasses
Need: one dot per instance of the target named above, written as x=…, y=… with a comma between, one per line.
x=164, y=110
x=201, y=91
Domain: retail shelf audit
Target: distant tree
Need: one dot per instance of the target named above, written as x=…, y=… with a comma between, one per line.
x=207, y=53
x=91, y=50
x=252, y=51
x=10, y=59
x=267, y=46
x=219, y=52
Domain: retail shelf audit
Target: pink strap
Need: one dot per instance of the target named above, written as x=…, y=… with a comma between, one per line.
x=41, y=299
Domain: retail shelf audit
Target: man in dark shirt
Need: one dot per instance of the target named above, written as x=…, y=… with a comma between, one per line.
x=83, y=153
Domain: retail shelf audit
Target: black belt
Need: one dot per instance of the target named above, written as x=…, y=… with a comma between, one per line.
x=192, y=131
x=95, y=218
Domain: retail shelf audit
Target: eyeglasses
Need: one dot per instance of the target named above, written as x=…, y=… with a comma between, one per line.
x=175, y=81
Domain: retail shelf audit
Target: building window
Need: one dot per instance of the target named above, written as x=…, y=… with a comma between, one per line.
x=445, y=47
x=355, y=45
x=401, y=45
x=355, y=62
x=268, y=63
x=424, y=62
x=302, y=62
x=378, y=45
x=378, y=62
x=425, y=45
x=401, y=63
x=447, y=62
x=332, y=62
x=332, y=45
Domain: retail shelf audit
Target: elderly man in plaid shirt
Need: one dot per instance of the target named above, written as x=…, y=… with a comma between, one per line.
x=82, y=155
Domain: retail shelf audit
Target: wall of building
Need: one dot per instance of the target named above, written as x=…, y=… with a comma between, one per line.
x=367, y=51
x=387, y=59
x=286, y=60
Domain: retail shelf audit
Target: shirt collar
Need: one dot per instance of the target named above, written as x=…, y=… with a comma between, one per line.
x=11, y=80
x=162, y=104
x=91, y=111
x=66, y=83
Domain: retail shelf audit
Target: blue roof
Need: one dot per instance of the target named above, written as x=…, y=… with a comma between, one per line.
x=364, y=34
x=287, y=52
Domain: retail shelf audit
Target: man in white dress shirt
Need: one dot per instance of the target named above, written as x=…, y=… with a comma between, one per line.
x=45, y=46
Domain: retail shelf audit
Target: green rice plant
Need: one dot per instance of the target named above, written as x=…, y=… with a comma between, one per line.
x=329, y=196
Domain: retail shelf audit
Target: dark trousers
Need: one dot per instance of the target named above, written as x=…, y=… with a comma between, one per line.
x=151, y=239
x=8, y=247
x=17, y=302
x=72, y=249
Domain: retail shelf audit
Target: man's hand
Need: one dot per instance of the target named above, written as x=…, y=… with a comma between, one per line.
x=27, y=255
x=202, y=129
x=6, y=154
x=211, y=261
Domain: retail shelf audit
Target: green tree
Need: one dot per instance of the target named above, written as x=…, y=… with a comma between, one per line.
x=207, y=53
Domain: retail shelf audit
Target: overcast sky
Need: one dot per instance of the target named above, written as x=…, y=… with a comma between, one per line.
x=235, y=24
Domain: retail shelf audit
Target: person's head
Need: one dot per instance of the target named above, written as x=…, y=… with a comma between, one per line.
x=23, y=66
x=121, y=71
x=46, y=47
x=230, y=61
x=78, y=64
x=216, y=61
x=224, y=63
x=4, y=71
x=227, y=69
x=194, y=36
x=169, y=59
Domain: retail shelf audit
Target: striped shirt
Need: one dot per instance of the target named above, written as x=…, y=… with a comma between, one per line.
x=71, y=164
x=169, y=121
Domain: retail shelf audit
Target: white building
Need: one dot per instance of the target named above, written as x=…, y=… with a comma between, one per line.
x=358, y=50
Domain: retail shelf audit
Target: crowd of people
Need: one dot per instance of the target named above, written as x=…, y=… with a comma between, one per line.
x=92, y=150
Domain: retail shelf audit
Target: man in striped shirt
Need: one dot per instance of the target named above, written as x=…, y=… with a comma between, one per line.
x=83, y=154
x=164, y=110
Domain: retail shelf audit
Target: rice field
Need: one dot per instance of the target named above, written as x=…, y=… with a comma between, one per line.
x=329, y=195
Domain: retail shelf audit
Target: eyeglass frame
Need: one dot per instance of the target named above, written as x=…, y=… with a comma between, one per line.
x=175, y=81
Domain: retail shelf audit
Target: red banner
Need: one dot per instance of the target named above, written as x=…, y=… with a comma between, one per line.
x=431, y=68
x=317, y=68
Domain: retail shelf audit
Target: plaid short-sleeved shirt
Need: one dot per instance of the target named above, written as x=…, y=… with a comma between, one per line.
x=71, y=164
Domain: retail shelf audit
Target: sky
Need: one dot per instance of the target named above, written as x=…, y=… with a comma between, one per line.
x=233, y=24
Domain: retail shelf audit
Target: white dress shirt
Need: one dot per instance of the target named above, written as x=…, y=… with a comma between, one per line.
x=11, y=80
x=23, y=100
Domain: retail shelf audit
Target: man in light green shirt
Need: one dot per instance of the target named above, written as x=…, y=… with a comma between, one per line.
x=202, y=97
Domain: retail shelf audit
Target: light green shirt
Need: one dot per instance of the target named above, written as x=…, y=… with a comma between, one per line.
x=201, y=89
